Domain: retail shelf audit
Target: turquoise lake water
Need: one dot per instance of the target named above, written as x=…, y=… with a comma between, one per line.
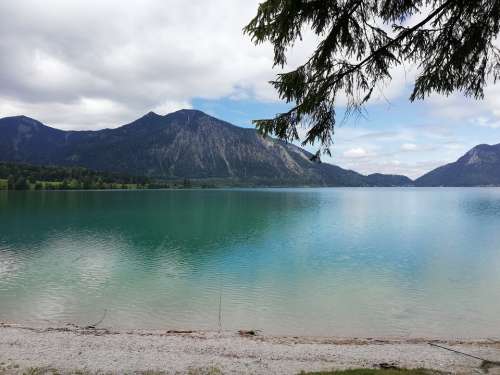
x=409, y=262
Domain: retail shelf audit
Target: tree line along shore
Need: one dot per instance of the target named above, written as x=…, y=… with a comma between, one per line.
x=14, y=176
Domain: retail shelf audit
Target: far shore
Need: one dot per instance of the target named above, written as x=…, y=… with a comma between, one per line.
x=99, y=350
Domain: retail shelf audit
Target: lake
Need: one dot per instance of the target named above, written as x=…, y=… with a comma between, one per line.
x=359, y=262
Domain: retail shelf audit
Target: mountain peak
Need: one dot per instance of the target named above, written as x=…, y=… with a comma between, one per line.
x=187, y=113
x=191, y=118
x=153, y=119
x=22, y=120
x=151, y=114
x=481, y=153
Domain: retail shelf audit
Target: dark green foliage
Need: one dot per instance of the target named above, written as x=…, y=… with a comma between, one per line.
x=64, y=178
x=17, y=182
x=158, y=185
x=11, y=182
x=451, y=43
x=21, y=183
x=64, y=185
x=186, y=184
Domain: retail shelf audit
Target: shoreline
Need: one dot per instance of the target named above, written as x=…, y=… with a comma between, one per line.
x=97, y=350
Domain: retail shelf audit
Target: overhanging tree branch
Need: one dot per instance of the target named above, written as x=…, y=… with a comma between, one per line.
x=454, y=53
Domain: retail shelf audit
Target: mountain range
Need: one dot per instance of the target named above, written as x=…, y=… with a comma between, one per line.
x=191, y=144
x=183, y=144
x=478, y=167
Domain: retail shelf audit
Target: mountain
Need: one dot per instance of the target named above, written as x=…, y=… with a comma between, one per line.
x=478, y=167
x=183, y=144
x=378, y=179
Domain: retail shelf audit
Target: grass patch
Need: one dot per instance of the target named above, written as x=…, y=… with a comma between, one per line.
x=3, y=184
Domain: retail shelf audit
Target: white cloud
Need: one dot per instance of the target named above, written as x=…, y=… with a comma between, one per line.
x=458, y=108
x=123, y=59
x=487, y=122
x=126, y=57
x=409, y=147
x=171, y=106
x=357, y=152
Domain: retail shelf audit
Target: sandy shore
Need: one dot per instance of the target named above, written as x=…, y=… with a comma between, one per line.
x=100, y=350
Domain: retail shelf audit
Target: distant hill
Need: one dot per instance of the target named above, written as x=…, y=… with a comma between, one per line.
x=478, y=167
x=378, y=179
x=183, y=144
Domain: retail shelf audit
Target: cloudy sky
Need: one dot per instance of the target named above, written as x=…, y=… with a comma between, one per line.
x=93, y=64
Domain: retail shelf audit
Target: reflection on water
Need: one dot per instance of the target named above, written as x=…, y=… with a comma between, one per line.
x=344, y=262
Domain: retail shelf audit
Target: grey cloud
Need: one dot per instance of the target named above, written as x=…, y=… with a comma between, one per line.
x=135, y=55
x=132, y=56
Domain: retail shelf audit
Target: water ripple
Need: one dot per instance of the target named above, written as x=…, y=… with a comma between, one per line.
x=359, y=262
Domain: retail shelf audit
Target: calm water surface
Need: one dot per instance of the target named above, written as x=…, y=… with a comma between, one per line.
x=343, y=262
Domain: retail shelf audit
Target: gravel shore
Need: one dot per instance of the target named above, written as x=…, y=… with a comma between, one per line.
x=105, y=351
